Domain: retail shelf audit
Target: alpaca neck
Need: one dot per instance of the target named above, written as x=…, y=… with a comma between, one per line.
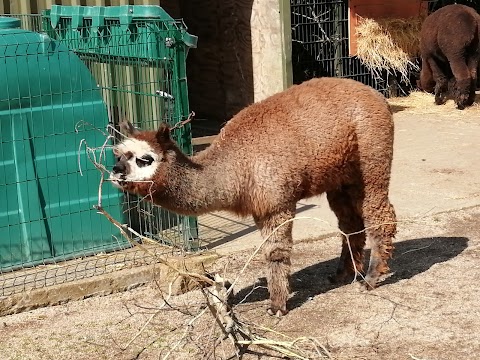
x=197, y=185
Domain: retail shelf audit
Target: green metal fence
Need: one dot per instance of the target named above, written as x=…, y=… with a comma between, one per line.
x=45, y=213
x=137, y=54
x=94, y=66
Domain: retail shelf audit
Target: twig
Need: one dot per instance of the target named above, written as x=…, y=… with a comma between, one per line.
x=183, y=122
x=123, y=229
x=414, y=357
x=150, y=318
x=141, y=330
x=190, y=323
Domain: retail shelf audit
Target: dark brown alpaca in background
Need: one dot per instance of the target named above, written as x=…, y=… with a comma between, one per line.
x=325, y=135
x=450, y=50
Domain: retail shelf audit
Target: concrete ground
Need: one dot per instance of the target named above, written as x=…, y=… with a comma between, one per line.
x=427, y=309
x=435, y=169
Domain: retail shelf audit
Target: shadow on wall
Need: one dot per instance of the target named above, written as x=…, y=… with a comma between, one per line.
x=220, y=70
x=304, y=65
x=411, y=257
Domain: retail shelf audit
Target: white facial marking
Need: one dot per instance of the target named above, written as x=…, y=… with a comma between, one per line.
x=140, y=150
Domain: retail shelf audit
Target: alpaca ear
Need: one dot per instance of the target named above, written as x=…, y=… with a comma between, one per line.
x=163, y=133
x=127, y=128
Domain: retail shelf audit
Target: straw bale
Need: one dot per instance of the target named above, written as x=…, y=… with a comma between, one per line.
x=389, y=44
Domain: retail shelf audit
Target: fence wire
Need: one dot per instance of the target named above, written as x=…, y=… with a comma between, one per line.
x=64, y=90
x=320, y=46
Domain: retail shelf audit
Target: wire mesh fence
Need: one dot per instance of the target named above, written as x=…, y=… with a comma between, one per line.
x=320, y=46
x=140, y=68
x=64, y=87
x=95, y=69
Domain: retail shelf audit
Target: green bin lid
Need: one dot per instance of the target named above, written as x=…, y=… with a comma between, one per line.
x=9, y=23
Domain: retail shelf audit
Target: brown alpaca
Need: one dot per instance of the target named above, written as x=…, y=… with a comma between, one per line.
x=327, y=135
x=450, y=50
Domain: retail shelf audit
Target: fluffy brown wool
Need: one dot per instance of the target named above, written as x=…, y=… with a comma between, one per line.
x=327, y=135
x=450, y=50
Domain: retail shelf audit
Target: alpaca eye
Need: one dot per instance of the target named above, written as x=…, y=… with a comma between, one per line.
x=144, y=161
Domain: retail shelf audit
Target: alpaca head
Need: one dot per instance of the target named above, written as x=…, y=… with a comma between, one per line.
x=139, y=157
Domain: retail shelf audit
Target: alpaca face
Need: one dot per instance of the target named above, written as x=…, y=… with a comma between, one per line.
x=136, y=162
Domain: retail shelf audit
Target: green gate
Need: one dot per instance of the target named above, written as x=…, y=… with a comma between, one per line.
x=92, y=66
x=137, y=54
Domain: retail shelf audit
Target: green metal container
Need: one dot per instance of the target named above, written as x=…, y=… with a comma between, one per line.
x=46, y=209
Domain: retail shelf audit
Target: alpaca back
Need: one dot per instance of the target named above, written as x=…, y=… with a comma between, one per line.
x=448, y=29
x=303, y=141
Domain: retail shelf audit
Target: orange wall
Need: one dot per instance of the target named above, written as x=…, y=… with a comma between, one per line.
x=376, y=9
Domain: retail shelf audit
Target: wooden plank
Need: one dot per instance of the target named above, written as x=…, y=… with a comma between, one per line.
x=3, y=6
x=95, y=3
x=20, y=7
x=120, y=2
x=42, y=5
x=147, y=2
x=203, y=140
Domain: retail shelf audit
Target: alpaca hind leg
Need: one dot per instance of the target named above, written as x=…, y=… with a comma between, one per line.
x=441, y=82
x=345, y=203
x=380, y=221
x=277, y=250
x=464, y=84
x=426, y=82
x=473, y=62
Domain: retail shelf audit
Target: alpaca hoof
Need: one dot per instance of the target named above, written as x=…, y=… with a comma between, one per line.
x=369, y=283
x=462, y=103
x=440, y=100
x=277, y=312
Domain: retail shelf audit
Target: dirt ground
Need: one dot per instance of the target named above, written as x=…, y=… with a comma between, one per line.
x=428, y=309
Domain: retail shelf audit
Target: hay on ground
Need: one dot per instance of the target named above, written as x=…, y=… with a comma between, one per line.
x=389, y=44
x=420, y=102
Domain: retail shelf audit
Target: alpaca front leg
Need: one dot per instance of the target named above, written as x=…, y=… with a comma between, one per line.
x=277, y=250
x=278, y=273
x=381, y=237
x=464, y=91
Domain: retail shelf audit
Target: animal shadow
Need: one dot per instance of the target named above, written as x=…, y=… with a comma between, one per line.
x=410, y=258
x=398, y=108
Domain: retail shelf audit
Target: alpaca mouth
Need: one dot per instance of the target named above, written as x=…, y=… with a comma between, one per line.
x=117, y=181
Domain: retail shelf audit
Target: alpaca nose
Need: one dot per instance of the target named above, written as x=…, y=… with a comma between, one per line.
x=119, y=168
